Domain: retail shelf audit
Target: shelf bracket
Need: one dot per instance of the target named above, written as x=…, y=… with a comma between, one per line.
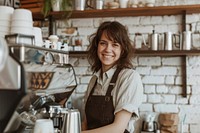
x=184, y=20
x=184, y=75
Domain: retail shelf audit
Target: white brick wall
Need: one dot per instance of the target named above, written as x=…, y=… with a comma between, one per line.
x=161, y=76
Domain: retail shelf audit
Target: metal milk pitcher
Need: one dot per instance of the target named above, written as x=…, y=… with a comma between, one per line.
x=170, y=40
x=71, y=121
x=186, y=40
x=153, y=40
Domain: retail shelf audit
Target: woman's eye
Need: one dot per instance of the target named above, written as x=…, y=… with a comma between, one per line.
x=102, y=43
x=116, y=44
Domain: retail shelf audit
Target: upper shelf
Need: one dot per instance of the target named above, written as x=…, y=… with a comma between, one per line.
x=148, y=53
x=122, y=12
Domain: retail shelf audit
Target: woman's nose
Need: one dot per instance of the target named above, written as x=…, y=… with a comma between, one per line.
x=108, y=47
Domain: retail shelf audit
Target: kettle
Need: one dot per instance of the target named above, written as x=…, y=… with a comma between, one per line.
x=71, y=121
x=149, y=124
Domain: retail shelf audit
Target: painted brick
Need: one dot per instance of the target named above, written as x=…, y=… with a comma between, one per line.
x=155, y=20
x=172, y=19
x=175, y=28
x=150, y=61
x=144, y=98
x=194, y=128
x=64, y=24
x=193, y=71
x=149, y=89
x=171, y=61
x=196, y=89
x=193, y=118
x=168, y=99
x=161, y=89
x=153, y=80
x=146, y=107
x=164, y=71
x=175, y=90
x=154, y=98
x=192, y=18
x=194, y=99
x=193, y=61
x=129, y=21
x=86, y=31
x=166, y=108
x=143, y=70
x=193, y=80
x=178, y=80
x=170, y=80
x=160, y=29
x=145, y=20
x=181, y=100
x=83, y=23
x=140, y=29
x=98, y=21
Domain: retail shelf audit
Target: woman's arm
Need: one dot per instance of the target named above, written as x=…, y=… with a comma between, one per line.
x=118, y=126
x=84, y=124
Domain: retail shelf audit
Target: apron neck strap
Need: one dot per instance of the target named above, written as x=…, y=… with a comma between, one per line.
x=113, y=81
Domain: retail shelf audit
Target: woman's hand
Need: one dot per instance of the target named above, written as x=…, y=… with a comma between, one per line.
x=118, y=126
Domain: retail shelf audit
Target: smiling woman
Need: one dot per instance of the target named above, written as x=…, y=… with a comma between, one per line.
x=111, y=103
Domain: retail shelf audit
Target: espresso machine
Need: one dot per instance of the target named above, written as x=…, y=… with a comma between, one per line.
x=30, y=91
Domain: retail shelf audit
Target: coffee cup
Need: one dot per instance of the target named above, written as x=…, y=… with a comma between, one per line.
x=43, y=126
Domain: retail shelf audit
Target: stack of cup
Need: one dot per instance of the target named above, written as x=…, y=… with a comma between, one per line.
x=37, y=32
x=43, y=126
x=5, y=20
x=22, y=22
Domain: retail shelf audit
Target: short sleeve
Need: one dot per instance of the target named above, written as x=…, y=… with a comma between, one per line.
x=128, y=92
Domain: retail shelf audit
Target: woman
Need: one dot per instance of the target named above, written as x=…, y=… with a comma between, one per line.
x=115, y=91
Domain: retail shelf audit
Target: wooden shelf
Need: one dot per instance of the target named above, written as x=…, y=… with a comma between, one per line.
x=147, y=53
x=122, y=12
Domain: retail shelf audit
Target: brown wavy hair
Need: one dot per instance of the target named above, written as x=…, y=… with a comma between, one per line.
x=114, y=31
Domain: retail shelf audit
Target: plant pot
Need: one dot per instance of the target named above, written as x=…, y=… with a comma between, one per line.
x=56, y=5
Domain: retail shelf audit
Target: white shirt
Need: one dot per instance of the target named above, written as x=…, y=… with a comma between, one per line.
x=127, y=92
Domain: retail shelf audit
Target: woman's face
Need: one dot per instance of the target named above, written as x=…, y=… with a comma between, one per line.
x=108, y=52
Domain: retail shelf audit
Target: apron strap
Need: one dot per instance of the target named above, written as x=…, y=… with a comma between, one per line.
x=91, y=92
x=113, y=81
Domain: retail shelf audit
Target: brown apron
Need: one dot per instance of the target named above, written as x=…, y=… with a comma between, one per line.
x=99, y=109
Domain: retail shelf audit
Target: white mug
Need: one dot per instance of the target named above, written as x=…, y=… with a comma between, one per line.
x=123, y=3
x=43, y=126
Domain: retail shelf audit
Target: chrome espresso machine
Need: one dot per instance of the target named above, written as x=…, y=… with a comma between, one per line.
x=32, y=88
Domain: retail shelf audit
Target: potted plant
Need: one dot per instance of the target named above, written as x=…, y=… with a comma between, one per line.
x=57, y=5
